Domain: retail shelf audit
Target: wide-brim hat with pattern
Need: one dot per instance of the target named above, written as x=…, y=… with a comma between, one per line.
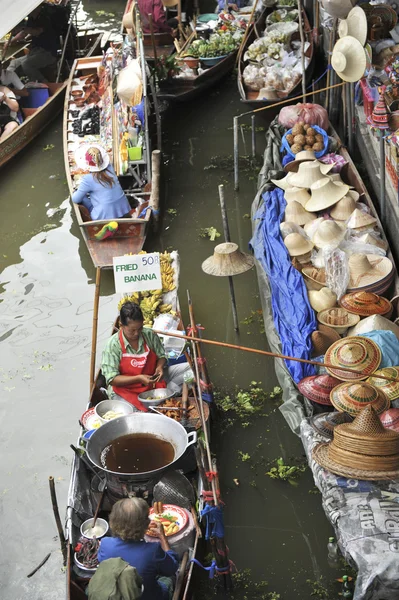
x=390, y=388
x=357, y=353
x=324, y=423
x=355, y=451
x=317, y=388
x=337, y=318
x=352, y=397
x=379, y=117
x=390, y=419
x=365, y=304
x=91, y=157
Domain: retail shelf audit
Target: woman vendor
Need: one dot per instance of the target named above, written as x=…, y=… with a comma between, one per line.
x=99, y=191
x=8, y=112
x=133, y=359
x=155, y=562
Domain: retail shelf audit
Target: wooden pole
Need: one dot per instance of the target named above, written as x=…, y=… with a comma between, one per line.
x=382, y=175
x=155, y=183
x=271, y=354
x=253, y=131
x=202, y=361
x=154, y=48
x=236, y=157
x=95, y=327
x=301, y=35
x=227, y=239
x=244, y=39
x=57, y=518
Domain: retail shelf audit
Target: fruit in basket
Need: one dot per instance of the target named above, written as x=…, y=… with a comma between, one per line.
x=311, y=131
x=298, y=129
x=290, y=139
x=310, y=140
x=300, y=139
x=295, y=148
x=319, y=137
x=318, y=147
x=306, y=147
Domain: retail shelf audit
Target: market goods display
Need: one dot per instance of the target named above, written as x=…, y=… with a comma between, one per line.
x=365, y=304
x=390, y=388
x=358, y=353
x=353, y=397
x=306, y=137
x=317, y=388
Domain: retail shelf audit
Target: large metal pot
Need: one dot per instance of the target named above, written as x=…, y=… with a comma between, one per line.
x=162, y=427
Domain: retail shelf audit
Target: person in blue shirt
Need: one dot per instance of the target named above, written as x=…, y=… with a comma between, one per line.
x=155, y=561
x=99, y=191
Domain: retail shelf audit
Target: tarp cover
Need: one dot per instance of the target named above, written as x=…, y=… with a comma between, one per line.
x=14, y=12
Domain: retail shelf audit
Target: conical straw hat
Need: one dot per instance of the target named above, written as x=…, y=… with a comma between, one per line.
x=343, y=209
x=337, y=8
x=354, y=194
x=353, y=397
x=284, y=183
x=311, y=227
x=337, y=318
x=304, y=156
x=374, y=323
x=318, y=387
x=355, y=25
x=227, y=260
x=295, y=213
x=300, y=195
x=322, y=340
x=322, y=299
x=365, y=270
x=367, y=238
x=308, y=173
x=325, y=423
x=329, y=233
x=361, y=220
x=297, y=244
x=365, y=304
x=287, y=227
x=390, y=388
x=390, y=419
x=348, y=59
x=325, y=193
x=353, y=353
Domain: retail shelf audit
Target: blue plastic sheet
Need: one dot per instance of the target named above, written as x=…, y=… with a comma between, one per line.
x=293, y=316
x=389, y=345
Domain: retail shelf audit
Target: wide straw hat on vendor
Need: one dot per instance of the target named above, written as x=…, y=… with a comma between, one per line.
x=358, y=353
x=354, y=25
x=304, y=156
x=329, y=233
x=297, y=244
x=300, y=195
x=337, y=8
x=360, y=220
x=362, y=450
x=308, y=173
x=390, y=419
x=227, y=260
x=390, y=388
x=325, y=193
x=317, y=388
x=366, y=304
x=91, y=157
x=325, y=423
x=343, y=208
x=370, y=272
x=348, y=59
x=337, y=318
x=295, y=213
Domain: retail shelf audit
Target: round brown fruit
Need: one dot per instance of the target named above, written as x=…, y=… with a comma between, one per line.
x=311, y=131
x=319, y=137
x=310, y=140
x=318, y=147
x=298, y=130
x=300, y=139
x=290, y=139
x=295, y=148
x=307, y=147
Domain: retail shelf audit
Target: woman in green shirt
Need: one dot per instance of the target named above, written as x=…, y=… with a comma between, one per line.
x=133, y=359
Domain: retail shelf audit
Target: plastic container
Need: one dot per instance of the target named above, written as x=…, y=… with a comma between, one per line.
x=332, y=548
x=135, y=153
x=37, y=97
x=173, y=346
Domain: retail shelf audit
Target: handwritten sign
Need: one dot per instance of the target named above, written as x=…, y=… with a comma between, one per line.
x=137, y=273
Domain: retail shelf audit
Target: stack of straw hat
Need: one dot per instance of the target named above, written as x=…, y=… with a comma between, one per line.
x=366, y=304
x=317, y=388
x=370, y=272
x=361, y=221
x=324, y=423
x=363, y=449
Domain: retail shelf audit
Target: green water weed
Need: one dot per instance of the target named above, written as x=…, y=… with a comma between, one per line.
x=285, y=472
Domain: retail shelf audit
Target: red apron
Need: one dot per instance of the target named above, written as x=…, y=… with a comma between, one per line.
x=137, y=364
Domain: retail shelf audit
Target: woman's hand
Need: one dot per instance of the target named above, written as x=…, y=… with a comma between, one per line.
x=146, y=379
x=158, y=374
x=160, y=534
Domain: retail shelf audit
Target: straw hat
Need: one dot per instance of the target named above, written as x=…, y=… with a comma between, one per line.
x=286, y=227
x=329, y=233
x=362, y=450
x=284, y=183
x=359, y=353
x=91, y=157
x=374, y=323
x=308, y=173
x=311, y=227
x=367, y=238
x=317, y=388
x=337, y=318
x=304, y=156
x=343, y=209
x=337, y=8
x=390, y=388
x=354, y=194
x=352, y=397
x=390, y=419
x=322, y=299
x=324, y=423
x=297, y=244
x=361, y=220
x=325, y=193
x=322, y=340
x=365, y=304
x=355, y=25
x=227, y=260
x=315, y=279
x=348, y=59
x=302, y=260
x=370, y=271
x=300, y=195
x=295, y=213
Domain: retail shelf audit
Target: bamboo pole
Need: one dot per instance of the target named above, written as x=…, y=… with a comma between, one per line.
x=204, y=369
x=270, y=354
x=244, y=39
x=227, y=239
x=302, y=37
x=236, y=155
x=154, y=48
x=57, y=518
x=95, y=327
x=155, y=183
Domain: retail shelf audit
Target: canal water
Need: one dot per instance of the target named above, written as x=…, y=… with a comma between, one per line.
x=275, y=529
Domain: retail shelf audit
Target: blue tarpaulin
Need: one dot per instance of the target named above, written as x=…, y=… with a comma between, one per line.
x=293, y=316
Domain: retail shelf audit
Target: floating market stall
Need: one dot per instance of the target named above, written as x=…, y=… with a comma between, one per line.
x=326, y=275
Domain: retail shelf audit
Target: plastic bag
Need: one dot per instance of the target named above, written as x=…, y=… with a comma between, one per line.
x=337, y=270
x=352, y=246
x=254, y=77
x=129, y=87
x=288, y=227
x=312, y=114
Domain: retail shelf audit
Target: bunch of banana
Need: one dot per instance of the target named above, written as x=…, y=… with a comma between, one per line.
x=136, y=298
x=165, y=308
x=167, y=272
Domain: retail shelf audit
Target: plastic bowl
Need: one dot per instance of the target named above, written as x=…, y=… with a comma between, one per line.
x=100, y=523
x=160, y=396
x=211, y=62
x=119, y=406
x=207, y=17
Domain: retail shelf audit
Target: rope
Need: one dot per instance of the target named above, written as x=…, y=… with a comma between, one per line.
x=210, y=475
x=208, y=495
x=214, y=569
x=321, y=77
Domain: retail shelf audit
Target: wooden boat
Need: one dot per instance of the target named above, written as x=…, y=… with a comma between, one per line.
x=251, y=97
x=163, y=42
x=131, y=233
x=84, y=495
x=36, y=119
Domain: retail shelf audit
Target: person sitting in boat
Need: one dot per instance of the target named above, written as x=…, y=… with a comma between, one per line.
x=11, y=80
x=8, y=112
x=133, y=359
x=99, y=191
x=159, y=22
x=155, y=562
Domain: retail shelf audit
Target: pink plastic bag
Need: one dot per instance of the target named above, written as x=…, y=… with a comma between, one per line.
x=312, y=114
